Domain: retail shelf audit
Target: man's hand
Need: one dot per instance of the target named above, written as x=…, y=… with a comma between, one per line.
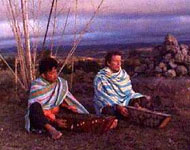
x=61, y=123
x=137, y=105
x=122, y=110
x=49, y=115
x=72, y=108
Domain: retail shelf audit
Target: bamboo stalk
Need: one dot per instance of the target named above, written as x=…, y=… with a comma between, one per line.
x=17, y=35
x=54, y=26
x=75, y=36
x=24, y=6
x=16, y=72
x=36, y=32
x=49, y=18
x=16, y=77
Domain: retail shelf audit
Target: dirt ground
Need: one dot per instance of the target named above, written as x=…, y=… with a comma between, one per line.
x=169, y=95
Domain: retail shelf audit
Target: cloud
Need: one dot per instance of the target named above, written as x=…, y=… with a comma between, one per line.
x=150, y=6
x=136, y=7
x=119, y=21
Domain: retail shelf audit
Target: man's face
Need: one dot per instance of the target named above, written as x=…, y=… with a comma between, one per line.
x=115, y=63
x=51, y=76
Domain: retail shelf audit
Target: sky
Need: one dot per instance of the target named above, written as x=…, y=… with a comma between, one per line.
x=117, y=22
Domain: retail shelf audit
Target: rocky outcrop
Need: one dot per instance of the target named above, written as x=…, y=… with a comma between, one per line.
x=171, y=59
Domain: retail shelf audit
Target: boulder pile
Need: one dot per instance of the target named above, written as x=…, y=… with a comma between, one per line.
x=170, y=59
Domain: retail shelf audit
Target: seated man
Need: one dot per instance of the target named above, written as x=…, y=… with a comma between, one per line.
x=113, y=89
x=48, y=94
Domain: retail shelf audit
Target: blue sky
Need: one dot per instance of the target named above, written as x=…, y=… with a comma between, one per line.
x=119, y=21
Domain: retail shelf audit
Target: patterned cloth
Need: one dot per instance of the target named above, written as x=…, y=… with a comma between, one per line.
x=112, y=88
x=50, y=95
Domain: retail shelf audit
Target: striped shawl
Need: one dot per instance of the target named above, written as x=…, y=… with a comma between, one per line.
x=112, y=88
x=50, y=95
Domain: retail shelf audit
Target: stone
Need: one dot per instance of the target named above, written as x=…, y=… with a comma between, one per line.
x=170, y=73
x=170, y=40
x=158, y=69
x=171, y=44
x=170, y=59
x=163, y=66
x=147, y=61
x=184, y=46
x=187, y=59
x=151, y=66
x=172, y=64
x=132, y=62
x=181, y=70
x=184, y=52
x=141, y=68
x=179, y=57
x=167, y=57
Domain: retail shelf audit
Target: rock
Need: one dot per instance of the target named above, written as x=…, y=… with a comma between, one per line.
x=167, y=57
x=171, y=48
x=184, y=52
x=158, y=69
x=184, y=46
x=147, y=61
x=187, y=59
x=140, y=69
x=170, y=59
x=172, y=64
x=179, y=58
x=170, y=73
x=151, y=66
x=132, y=62
x=163, y=66
x=170, y=40
x=158, y=75
x=171, y=44
x=181, y=70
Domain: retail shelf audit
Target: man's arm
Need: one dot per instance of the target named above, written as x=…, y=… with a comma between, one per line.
x=73, y=104
x=70, y=107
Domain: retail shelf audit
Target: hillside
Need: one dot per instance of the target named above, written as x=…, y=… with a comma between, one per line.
x=169, y=95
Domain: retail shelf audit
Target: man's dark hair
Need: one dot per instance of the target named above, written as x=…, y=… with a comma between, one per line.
x=109, y=55
x=47, y=64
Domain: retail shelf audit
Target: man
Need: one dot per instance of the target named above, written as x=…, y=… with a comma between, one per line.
x=48, y=94
x=113, y=89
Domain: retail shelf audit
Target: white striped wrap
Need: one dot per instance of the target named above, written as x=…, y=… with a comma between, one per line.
x=112, y=88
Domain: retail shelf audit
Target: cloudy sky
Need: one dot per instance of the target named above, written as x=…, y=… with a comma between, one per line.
x=119, y=21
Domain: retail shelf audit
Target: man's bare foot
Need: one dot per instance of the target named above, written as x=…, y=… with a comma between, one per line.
x=55, y=134
x=114, y=124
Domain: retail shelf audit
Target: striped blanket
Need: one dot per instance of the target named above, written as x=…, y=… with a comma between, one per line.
x=50, y=95
x=112, y=88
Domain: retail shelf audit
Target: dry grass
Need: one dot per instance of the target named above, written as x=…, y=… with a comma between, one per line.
x=174, y=99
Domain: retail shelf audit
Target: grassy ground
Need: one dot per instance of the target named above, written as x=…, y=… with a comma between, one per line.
x=174, y=98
